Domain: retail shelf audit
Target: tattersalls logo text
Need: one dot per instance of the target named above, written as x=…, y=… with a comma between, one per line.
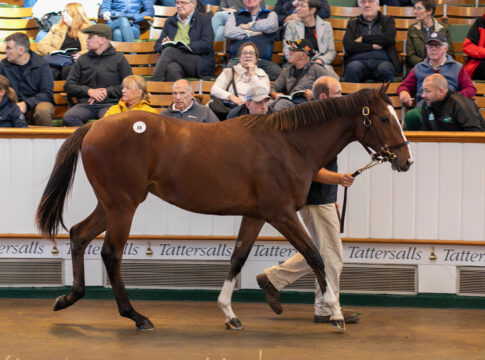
x=372, y=253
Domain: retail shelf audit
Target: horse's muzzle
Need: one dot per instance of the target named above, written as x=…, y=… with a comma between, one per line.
x=401, y=167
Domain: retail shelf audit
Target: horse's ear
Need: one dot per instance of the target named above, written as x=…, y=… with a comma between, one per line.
x=384, y=87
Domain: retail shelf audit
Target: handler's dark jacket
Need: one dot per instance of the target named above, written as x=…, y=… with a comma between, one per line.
x=454, y=113
x=201, y=41
x=93, y=71
x=321, y=194
x=32, y=82
x=383, y=34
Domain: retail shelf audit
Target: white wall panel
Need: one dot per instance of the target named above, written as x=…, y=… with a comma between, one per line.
x=473, y=192
x=5, y=190
x=21, y=187
x=449, y=191
x=426, y=210
x=404, y=202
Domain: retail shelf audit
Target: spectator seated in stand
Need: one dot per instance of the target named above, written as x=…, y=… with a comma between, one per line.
x=10, y=114
x=232, y=84
x=417, y=33
x=65, y=35
x=134, y=96
x=257, y=101
x=309, y=26
x=287, y=10
x=48, y=13
x=95, y=79
x=474, y=47
x=31, y=78
x=296, y=80
x=257, y=25
x=220, y=17
x=444, y=110
x=185, y=45
x=437, y=61
x=369, y=44
x=185, y=106
x=124, y=17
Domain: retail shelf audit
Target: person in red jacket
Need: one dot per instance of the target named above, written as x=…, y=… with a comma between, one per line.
x=474, y=47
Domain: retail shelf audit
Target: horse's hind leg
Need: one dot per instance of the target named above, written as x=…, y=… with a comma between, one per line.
x=117, y=232
x=290, y=227
x=248, y=232
x=81, y=235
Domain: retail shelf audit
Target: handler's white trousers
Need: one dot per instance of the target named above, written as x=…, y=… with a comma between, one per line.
x=323, y=224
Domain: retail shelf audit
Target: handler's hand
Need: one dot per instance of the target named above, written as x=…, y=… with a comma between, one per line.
x=347, y=180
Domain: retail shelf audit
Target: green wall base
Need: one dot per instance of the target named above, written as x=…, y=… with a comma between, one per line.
x=250, y=295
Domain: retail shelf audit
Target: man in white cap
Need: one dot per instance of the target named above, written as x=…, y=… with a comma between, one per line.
x=257, y=99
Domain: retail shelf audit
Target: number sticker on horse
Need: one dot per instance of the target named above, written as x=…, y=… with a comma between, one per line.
x=139, y=127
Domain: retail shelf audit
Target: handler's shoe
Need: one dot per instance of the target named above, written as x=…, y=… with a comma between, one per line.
x=272, y=295
x=350, y=317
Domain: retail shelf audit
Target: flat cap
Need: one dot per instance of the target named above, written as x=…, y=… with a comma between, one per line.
x=100, y=30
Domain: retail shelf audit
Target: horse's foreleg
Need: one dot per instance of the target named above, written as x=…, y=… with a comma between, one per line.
x=248, y=232
x=116, y=236
x=81, y=235
x=294, y=232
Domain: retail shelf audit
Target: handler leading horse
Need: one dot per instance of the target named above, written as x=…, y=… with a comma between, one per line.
x=259, y=167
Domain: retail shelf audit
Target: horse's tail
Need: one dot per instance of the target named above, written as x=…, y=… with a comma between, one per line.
x=51, y=206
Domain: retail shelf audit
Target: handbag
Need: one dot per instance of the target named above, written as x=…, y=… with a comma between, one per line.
x=222, y=107
x=58, y=61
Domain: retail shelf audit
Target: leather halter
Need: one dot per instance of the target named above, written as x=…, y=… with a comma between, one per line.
x=384, y=154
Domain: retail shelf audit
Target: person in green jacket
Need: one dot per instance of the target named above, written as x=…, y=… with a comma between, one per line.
x=134, y=97
x=418, y=32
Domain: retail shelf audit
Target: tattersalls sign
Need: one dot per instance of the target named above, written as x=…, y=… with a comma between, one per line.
x=262, y=250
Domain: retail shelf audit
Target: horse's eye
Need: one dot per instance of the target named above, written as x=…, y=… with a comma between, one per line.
x=384, y=119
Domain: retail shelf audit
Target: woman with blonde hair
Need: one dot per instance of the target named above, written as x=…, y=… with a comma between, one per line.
x=10, y=114
x=134, y=96
x=65, y=35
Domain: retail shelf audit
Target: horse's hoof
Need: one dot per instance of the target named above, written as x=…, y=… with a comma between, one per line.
x=145, y=325
x=234, y=324
x=339, y=325
x=61, y=303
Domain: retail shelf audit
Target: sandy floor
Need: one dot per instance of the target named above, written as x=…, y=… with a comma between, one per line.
x=92, y=329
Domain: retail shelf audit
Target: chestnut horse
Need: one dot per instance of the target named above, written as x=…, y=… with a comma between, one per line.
x=257, y=166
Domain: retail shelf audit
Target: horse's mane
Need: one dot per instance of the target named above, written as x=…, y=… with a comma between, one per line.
x=311, y=112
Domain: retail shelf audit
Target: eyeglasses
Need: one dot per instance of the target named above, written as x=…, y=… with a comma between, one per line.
x=182, y=3
x=250, y=53
x=419, y=8
x=301, y=4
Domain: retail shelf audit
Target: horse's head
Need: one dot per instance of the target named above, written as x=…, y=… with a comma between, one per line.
x=380, y=130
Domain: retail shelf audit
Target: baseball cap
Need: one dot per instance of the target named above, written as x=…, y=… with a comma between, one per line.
x=257, y=93
x=437, y=37
x=100, y=30
x=301, y=45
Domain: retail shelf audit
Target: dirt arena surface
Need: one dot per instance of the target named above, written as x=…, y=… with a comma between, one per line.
x=92, y=329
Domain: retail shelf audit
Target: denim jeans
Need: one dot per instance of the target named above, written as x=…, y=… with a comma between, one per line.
x=218, y=21
x=123, y=30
